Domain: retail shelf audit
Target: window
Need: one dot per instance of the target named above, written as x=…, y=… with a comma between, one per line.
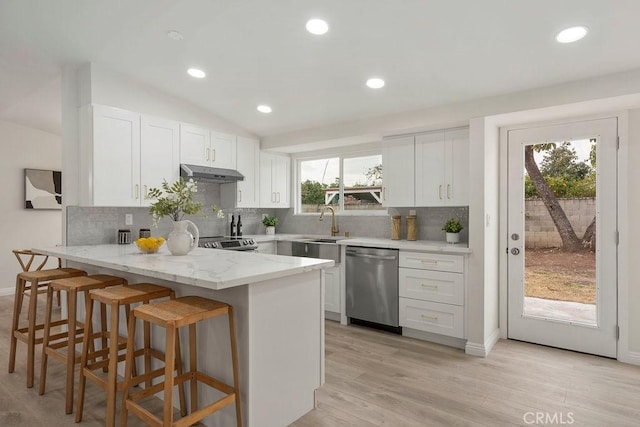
x=352, y=183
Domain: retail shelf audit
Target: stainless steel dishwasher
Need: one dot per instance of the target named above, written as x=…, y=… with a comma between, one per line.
x=372, y=286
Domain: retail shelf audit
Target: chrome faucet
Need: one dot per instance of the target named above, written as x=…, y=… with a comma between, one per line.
x=334, y=227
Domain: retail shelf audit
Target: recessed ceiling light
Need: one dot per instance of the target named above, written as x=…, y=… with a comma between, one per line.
x=197, y=73
x=573, y=34
x=175, y=35
x=317, y=26
x=264, y=109
x=375, y=83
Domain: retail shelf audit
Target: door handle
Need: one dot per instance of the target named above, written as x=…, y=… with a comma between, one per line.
x=515, y=251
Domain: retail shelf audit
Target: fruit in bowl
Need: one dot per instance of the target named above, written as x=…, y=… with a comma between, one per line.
x=149, y=245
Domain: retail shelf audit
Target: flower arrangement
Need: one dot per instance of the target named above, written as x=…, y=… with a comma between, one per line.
x=176, y=201
x=452, y=226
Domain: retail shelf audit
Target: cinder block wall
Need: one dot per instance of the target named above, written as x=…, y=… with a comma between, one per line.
x=540, y=232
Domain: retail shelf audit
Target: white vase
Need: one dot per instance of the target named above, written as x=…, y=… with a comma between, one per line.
x=180, y=241
x=271, y=230
x=453, y=237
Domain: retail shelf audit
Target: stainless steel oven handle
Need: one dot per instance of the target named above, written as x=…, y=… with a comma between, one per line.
x=371, y=256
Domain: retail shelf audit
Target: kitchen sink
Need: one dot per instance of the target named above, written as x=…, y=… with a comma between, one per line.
x=324, y=248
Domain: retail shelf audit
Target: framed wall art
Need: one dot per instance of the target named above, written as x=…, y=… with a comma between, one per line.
x=42, y=189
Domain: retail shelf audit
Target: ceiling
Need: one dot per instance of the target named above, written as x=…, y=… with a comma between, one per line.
x=255, y=51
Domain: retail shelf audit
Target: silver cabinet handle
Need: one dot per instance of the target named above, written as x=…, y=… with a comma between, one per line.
x=426, y=285
x=384, y=193
x=448, y=191
x=239, y=195
x=278, y=201
x=206, y=154
x=273, y=197
x=213, y=158
x=390, y=257
x=429, y=317
x=137, y=191
x=145, y=191
x=440, y=191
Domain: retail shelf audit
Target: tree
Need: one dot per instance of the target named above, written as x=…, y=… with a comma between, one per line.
x=563, y=161
x=312, y=193
x=374, y=174
x=570, y=241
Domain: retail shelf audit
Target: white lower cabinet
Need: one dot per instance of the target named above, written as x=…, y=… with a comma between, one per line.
x=332, y=289
x=267, y=247
x=431, y=290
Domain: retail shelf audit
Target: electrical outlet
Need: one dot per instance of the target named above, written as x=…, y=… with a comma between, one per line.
x=412, y=212
x=128, y=219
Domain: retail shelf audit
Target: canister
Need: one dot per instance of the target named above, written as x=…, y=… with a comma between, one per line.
x=396, y=227
x=412, y=228
x=124, y=236
x=144, y=232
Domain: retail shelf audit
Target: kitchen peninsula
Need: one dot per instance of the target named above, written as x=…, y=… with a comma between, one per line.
x=278, y=302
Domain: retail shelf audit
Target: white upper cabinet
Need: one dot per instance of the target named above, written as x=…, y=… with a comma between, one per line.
x=223, y=150
x=275, y=180
x=115, y=159
x=195, y=145
x=457, y=175
x=398, y=171
x=248, y=164
x=159, y=154
x=127, y=154
x=442, y=168
x=200, y=146
x=429, y=169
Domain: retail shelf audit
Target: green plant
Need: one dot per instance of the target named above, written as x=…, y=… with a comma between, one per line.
x=452, y=226
x=176, y=201
x=270, y=221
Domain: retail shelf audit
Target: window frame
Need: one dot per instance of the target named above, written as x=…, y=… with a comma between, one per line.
x=341, y=154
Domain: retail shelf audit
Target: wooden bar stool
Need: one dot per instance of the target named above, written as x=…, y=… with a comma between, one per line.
x=26, y=257
x=62, y=346
x=109, y=356
x=172, y=315
x=32, y=283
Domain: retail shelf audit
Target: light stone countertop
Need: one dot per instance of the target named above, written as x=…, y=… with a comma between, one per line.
x=212, y=269
x=418, y=245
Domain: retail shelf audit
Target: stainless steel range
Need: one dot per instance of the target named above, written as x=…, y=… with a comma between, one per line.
x=228, y=243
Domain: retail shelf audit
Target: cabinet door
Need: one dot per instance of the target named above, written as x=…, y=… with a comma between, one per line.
x=430, y=170
x=282, y=180
x=332, y=289
x=457, y=161
x=116, y=157
x=398, y=171
x=195, y=147
x=267, y=191
x=159, y=154
x=223, y=150
x=248, y=160
x=267, y=247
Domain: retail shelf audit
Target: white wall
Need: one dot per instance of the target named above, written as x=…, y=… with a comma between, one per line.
x=632, y=255
x=24, y=147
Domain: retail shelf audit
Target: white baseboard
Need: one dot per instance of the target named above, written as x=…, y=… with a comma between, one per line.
x=436, y=338
x=482, y=350
x=330, y=315
x=7, y=291
x=631, y=357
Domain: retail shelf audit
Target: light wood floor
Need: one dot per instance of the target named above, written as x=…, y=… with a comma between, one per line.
x=379, y=379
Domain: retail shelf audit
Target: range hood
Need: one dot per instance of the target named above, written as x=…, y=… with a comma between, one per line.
x=209, y=174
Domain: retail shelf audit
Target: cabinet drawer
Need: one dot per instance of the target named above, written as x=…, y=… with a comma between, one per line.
x=429, y=285
x=431, y=261
x=443, y=319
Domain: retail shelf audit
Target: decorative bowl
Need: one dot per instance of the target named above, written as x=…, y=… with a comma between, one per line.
x=149, y=245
